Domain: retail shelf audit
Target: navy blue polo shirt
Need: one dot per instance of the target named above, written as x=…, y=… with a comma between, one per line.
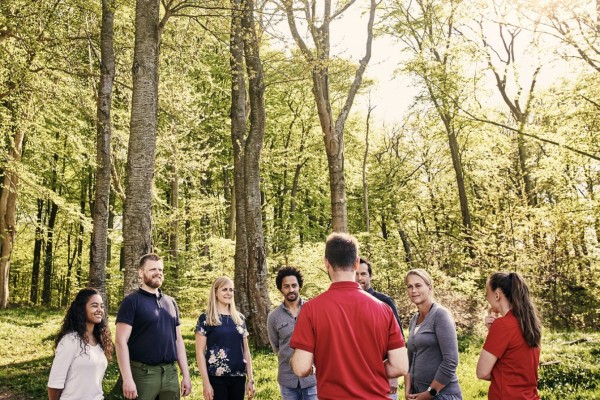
x=390, y=302
x=154, y=320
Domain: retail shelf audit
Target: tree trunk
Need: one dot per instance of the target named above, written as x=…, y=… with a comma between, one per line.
x=99, y=245
x=174, y=228
x=460, y=181
x=238, y=132
x=52, y=208
x=137, y=213
x=8, y=205
x=250, y=257
x=364, y=174
x=47, y=286
x=258, y=289
x=37, y=254
x=333, y=134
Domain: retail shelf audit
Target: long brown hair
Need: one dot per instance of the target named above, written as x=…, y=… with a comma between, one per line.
x=75, y=322
x=517, y=293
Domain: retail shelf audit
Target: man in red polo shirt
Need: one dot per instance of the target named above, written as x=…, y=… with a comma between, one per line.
x=352, y=338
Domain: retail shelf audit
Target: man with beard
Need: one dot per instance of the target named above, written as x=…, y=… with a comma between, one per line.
x=281, y=323
x=364, y=274
x=148, y=339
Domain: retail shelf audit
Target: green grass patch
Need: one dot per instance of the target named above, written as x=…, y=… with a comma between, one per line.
x=571, y=370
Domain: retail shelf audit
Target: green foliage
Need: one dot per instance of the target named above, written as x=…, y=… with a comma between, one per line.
x=570, y=367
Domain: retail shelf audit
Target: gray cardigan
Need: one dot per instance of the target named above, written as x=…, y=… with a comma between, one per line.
x=433, y=351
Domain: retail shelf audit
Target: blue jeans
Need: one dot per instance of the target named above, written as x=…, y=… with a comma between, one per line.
x=308, y=393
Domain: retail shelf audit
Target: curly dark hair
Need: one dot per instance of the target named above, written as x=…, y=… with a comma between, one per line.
x=75, y=321
x=288, y=271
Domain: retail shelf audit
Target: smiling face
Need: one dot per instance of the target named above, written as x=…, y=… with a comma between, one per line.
x=418, y=291
x=290, y=288
x=94, y=309
x=151, y=274
x=362, y=276
x=224, y=293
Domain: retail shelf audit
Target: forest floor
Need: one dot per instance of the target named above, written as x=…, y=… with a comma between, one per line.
x=569, y=370
x=8, y=395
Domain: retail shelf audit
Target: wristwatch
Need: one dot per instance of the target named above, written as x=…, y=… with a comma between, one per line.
x=432, y=391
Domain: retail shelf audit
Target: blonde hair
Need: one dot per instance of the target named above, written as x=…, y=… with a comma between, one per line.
x=421, y=273
x=212, y=311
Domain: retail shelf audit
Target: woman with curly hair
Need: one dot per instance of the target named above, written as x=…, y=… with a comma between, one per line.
x=83, y=348
x=222, y=350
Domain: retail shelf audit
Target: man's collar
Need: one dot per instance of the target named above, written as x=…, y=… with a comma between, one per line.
x=147, y=293
x=345, y=285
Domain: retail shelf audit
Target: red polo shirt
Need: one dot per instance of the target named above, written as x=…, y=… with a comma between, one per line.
x=515, y=374
x=349, y=333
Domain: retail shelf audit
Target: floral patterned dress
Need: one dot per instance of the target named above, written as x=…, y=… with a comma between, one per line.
x=224, y=346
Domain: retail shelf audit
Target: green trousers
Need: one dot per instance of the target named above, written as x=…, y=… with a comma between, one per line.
x=156, y=381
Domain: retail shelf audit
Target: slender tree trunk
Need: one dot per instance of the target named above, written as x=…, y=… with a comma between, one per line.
x=52, y=208
x=137, y=214
x=49, y=251
x=37, y=253
x=8, y=205
x=174, y=228
x=364, y=174
x=250, y=257
x=333, y=133
x=228, y=193
x=238, y=133
x=258, y=288
x=99, y=245
x=460, y=180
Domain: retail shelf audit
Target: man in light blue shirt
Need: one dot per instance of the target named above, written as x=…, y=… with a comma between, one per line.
x=281, y=323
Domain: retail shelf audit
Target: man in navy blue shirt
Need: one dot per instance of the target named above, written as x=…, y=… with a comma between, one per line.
x=148, y=339
x=364, y=274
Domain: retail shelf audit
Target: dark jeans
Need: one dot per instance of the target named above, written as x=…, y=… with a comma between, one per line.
x=228, y=387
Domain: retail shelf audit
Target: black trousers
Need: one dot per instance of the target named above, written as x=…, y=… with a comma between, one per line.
x=228, y=387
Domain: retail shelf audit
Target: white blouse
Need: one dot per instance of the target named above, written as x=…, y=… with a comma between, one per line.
x=78, y=371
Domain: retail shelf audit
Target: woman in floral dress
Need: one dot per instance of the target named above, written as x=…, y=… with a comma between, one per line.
x=222, y=350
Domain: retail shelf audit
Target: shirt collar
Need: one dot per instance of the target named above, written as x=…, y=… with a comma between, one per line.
x=146, y=293
x=345, y=285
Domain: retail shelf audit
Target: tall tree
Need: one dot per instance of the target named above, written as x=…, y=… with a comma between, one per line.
x=98, y=255
x=501, y=61
x=319, y=60
x=137, y=213
x=8, y=206
x=428, y=28
x=250, y=254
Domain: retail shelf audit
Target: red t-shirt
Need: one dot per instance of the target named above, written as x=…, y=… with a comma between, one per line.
x=515, y=374
x=349, y=333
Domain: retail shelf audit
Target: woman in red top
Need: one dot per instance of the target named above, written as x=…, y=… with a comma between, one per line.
x=511, y=352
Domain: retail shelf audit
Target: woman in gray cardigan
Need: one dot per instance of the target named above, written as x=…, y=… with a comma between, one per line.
x=432, y=345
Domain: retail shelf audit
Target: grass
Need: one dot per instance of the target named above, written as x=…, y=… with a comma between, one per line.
x=26, y=352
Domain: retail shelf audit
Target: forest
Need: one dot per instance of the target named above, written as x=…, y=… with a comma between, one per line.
x=232, y=137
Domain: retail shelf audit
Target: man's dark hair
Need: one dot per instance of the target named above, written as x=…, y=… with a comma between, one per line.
x=341, y=250
x=288, y=271
x=148, y=257
x=365, y=261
